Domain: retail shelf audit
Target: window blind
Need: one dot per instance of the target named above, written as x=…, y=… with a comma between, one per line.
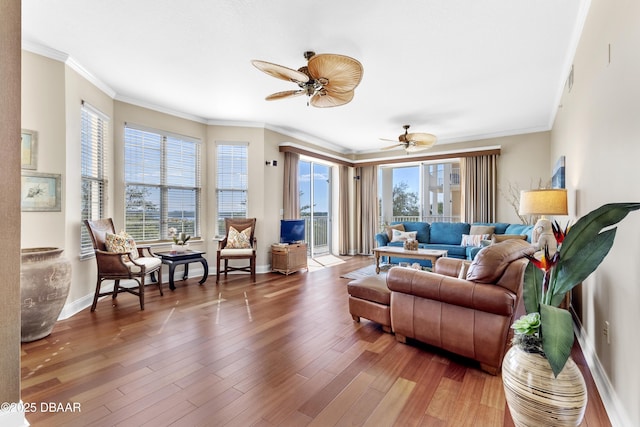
x=162, y=180
x=232, y=182
x=93, y=133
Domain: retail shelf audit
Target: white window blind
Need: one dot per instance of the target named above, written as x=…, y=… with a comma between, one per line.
x=232, y=182
x=93, y=133
x=162, y=179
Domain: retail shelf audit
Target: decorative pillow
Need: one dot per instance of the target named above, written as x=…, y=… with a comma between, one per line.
x=497, y=238
x=473, y=239
x=403, y=236
x=421, y=229
x=490, y=262
x=121, y=243
x=483, y=229
x=239, y=239
x=389, y=229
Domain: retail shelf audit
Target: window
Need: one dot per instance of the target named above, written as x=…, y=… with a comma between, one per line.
x=162, y=183
x=232, y=181
x=93, y=132
x=420, y=192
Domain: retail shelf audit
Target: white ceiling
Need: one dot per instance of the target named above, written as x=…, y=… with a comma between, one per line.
x=459, y=69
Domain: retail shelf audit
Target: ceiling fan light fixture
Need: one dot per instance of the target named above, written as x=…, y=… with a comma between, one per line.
x=412, y=142
x=328, y=80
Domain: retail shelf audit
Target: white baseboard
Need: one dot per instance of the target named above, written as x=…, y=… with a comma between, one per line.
x=615, y=410
x=76, y=306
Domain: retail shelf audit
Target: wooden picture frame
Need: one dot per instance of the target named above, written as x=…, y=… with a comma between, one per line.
x=40, y=192
x=29, y=149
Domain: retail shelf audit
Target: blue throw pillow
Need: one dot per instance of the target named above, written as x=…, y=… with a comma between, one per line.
x=446, y=233
x=520, y=229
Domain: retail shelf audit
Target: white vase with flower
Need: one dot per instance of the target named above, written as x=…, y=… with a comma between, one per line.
x=180, y=240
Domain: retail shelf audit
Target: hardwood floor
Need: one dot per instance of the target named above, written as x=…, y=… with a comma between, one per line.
x=281, y=352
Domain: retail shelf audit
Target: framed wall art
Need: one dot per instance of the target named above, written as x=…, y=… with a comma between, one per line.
x=558, y=177
x=29, y=145
x=40, y=192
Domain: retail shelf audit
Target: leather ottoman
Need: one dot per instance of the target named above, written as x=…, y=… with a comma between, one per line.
x=369, y=297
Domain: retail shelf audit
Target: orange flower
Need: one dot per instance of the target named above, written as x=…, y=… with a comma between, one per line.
x=558, y=232
x=546, y=262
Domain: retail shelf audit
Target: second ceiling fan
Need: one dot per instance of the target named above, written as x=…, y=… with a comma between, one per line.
x=328, y=80
x=411, y=142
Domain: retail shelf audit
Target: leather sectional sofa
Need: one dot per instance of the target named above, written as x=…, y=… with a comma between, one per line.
x=464, y=308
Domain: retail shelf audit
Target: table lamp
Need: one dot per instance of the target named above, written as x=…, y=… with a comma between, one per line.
x=543, y=202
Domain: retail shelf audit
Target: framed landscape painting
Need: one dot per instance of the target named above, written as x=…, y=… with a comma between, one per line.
x=40, y=192
x=28, y=141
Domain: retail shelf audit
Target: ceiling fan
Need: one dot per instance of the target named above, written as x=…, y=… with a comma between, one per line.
x=328, y=80
x=411, y=142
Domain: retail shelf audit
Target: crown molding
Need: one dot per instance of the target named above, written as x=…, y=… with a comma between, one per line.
x=56, y=55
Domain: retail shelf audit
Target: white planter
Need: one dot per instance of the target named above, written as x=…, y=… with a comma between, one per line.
x=180, y=248
x=536, y=397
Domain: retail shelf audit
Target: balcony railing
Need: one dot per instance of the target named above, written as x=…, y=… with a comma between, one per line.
x=320, y=230
x=426, y=218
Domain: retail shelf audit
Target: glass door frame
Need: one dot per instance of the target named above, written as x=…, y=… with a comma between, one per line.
x=313, y=221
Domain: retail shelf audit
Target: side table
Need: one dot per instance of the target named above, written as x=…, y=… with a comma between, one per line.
x=287, y=259
x=174, y=259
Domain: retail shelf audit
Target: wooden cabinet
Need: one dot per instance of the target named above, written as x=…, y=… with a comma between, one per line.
x=288, y=259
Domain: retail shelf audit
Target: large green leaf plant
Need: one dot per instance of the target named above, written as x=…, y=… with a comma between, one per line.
x=581, y=249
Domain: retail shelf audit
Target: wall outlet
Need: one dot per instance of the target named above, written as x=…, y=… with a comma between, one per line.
x=606, y=331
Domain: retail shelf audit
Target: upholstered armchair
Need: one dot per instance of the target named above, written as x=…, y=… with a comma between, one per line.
x=119, y=258
x=238, y=243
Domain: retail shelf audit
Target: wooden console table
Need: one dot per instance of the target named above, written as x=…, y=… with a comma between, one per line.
x=288, y=259
x=398, y=251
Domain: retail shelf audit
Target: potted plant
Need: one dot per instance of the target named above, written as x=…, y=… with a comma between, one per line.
x=544, y=336
x=179, y=240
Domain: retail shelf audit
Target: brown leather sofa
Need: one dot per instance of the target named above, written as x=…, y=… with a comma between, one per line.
x=468, y=316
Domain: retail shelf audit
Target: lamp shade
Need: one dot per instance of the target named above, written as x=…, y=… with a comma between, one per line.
x=543, y=202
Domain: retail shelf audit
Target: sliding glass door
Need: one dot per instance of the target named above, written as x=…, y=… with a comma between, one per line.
x=314, y=181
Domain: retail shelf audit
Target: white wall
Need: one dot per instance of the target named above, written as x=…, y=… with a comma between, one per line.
x=597, y=129
x=43, y=111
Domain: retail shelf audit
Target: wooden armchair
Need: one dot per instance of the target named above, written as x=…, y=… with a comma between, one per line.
x=119, y=258
x=239, y=243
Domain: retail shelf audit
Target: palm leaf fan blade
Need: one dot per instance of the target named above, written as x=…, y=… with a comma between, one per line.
x=326, y=99
x=342, y=72
x=284, y=94
x=422, y=139
x=280, y=72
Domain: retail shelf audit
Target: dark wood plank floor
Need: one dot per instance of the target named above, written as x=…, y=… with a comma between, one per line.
x=281, y=352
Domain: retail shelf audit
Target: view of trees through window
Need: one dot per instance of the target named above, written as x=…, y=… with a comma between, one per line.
x=420, y=192
x=162, y=184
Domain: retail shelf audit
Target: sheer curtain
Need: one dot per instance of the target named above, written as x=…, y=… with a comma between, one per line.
x=291, y=197
x=479, y=184
x=366, y=208
x=343, y=210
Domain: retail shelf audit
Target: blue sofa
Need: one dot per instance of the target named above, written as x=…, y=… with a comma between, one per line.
x=448, y=236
